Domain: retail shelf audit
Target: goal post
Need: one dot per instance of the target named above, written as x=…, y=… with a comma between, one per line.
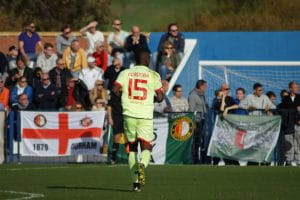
x=273, y=75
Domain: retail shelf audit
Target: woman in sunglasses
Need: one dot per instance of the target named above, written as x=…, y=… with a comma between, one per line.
x=98, y=91
x=20, y=88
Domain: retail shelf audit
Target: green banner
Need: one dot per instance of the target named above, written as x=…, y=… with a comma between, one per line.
x=180, y=139
x=245, y=137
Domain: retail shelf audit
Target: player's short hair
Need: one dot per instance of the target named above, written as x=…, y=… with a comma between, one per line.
x=142, y=58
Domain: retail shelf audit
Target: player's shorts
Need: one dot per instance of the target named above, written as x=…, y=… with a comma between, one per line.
x=136, y=128
x=118, y=125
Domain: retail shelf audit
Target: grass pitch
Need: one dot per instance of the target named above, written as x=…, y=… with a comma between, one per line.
x=99, y=181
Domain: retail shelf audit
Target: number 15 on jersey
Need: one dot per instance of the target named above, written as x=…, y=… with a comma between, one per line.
x=137, y=89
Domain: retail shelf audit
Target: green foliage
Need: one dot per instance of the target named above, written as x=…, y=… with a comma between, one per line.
x=50, y=15
x=154, y=15
x=247, y=15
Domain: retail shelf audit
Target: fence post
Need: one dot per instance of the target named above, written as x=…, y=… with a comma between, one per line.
x=18, y=129
x=11, y=136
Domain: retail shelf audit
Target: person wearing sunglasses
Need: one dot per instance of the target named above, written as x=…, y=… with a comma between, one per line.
x=175, y=37
x=116, y=40
x=168, y=61
x=46, y=94
x=23, y=104
x=77, y=107
x=98, y=92
x=21, y=88
x=28, y=41
x=100, y=105
x=64, y=39
x=257, y=100
x=100, y=55
x=226, y=102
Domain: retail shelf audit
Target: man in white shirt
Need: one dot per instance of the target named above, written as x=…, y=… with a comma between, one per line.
x=117, y=38
x=47, y=59
x=257, y=100
x=91, y=74
x=92, y=35
x=116, y=41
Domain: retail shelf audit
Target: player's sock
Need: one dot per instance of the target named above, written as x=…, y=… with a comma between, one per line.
x=145, y=157
x=115, y=148
x=132, y=160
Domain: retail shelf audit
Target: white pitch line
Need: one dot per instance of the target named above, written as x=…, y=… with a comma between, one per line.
x=45, y=168
x=27, y=195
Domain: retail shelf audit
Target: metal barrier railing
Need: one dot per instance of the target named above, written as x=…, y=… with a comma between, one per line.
x=13, y=139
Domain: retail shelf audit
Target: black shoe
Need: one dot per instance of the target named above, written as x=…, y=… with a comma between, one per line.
x=136, y=187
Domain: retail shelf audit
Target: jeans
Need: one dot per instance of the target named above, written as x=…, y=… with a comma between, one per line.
x=164, y=71
x=129, y=59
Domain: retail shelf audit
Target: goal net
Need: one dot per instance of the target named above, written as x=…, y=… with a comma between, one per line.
x=273, y=75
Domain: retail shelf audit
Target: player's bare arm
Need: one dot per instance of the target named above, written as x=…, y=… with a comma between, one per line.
x=159, y=97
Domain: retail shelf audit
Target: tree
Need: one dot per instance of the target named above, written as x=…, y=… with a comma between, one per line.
x=50, y=15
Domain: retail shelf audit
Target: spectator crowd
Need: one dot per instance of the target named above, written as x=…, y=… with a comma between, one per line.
x=67, y=77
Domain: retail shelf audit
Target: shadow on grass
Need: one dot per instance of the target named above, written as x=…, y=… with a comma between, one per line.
x=88, y=188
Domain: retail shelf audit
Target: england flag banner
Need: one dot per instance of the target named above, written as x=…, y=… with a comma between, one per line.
x=61, y=133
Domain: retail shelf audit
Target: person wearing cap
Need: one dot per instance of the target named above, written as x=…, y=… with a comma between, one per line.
x=100, y=55
x=92, y=36
x=91, y=74
x=12, y=57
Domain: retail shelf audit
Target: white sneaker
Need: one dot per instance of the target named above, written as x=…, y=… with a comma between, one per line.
x=221, y=163
x=294, y=164
x=243, y=163
x=272, y=164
